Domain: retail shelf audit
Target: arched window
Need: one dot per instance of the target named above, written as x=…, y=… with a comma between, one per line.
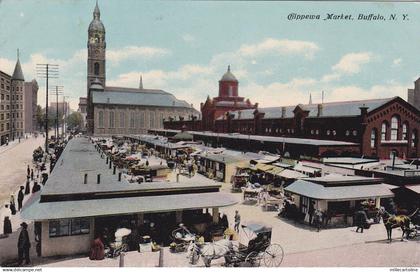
x=96, y=69
x=132, y=116
x=414, y=138
x=373, y=136
x=383, y=131
x=405, y=131
x=101, y=119
x=111, y=119
x=394, y=128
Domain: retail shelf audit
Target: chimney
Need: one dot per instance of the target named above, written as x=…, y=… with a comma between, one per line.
x=320, y=107
x=283, y=112
x=98, y=179
x=85, y=178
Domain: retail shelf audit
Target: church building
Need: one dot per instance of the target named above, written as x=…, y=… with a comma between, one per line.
x=120, y=110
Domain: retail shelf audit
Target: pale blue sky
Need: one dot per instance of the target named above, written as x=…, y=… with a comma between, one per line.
x=185, y=47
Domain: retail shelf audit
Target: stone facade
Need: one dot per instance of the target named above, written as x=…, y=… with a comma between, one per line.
x=123, y=120
x=413, y=95
x=5, y=84
x=31, y=101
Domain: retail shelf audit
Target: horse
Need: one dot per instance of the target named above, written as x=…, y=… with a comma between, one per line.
x=396, y=221
x=208, y=251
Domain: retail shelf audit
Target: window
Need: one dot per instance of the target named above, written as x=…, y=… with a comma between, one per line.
x=312, y=132
x=334, y=132
x=383, y=131
x=132, y=116
x=394, y=128
x=414, y=138
x=80, y=226
x=317, y=132
x=328, y=132
x=405, y=131
x=142, y=119
x=101, y=119
x=122, y=119
x=96, y=68
x=111, y=119
x=152, y=119
x=59, y=227
x=373, y=138
x=66, y=227
x=354, y=132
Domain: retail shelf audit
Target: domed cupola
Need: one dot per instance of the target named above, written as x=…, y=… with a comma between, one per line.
x=96, y=25
x=228, y=85
x=228, y=76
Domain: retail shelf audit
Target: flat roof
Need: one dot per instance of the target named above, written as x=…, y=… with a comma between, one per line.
x=35, y=210
x=338, y=193
x=347, y=160
x=275, y=139
x=80, y=157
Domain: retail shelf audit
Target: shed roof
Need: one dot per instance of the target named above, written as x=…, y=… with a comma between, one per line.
x=34, y=210
x=338, y=193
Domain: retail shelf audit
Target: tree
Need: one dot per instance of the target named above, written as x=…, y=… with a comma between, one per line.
x=75, y=120
x=40, y=117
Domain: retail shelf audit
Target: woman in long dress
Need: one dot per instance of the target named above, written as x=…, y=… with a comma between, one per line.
x=12, y=205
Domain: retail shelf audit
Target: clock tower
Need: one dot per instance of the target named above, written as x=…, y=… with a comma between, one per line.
x=96, y=50
x=96, y=63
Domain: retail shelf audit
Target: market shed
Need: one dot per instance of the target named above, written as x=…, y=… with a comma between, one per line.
x=338, y=196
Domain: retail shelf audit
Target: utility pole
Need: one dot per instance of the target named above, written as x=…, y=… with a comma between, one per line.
x=46, y=71
x=57, y=90
x=65, y=108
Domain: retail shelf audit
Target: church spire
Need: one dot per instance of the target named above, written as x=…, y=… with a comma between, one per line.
x=17, y=73
x=96, y=12
x=141, y=83
x=310, y=98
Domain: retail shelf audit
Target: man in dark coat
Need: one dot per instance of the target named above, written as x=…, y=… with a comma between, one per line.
x=20, y=197
x=32, y=174
x=28, y=171
x=360, y=220
x=311, y=211
x=36, y=187
x=24, y=245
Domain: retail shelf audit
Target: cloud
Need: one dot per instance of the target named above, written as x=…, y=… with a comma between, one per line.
x=272, y=46
x=397, y=62
x=352, y=63
x=188, y=38
x=349, y=64
x=115, y=56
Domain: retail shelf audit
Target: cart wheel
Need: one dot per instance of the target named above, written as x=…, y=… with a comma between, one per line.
x=273, y=255
x=252, y=259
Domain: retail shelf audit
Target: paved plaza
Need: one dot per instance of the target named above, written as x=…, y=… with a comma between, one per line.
x=303, y=246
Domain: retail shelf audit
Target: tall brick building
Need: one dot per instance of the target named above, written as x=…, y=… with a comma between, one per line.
x=413, y=95
x=381, y=127
x=228, y=100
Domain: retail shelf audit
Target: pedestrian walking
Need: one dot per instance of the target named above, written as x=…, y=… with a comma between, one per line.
x=237, y=221
x=36, y=187
x=12, y=205
x=311, y=211
x=360, y=220
x=21, y=196
x=28, y=171
x=32, y=174
x=24, y=245
x=318, y=218
x=27, y=188
x=7, y=224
